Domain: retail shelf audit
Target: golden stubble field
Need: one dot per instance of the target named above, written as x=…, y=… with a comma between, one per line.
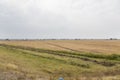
x=51, y=59
x=94, y=46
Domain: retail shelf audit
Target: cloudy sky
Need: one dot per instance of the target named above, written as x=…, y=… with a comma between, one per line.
x=59, y=18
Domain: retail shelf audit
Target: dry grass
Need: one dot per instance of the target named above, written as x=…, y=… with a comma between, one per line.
x=40, y=60
x=94, y=46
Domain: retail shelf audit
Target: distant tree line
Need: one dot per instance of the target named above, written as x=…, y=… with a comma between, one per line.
x=58, y=39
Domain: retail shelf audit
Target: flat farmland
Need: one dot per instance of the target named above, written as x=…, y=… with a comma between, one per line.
x=51, y=59
x=94, y=46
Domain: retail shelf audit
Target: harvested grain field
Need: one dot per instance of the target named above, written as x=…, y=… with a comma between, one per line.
x=95, y=46
x=51, y=59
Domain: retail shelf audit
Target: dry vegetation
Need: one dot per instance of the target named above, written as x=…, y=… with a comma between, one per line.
x=51, y=59
x=95, y=46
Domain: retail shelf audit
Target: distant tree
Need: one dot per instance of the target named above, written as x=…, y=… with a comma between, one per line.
x=113, y=39
x=7, y=39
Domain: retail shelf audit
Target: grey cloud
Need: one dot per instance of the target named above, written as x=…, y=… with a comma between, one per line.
x=59, y=19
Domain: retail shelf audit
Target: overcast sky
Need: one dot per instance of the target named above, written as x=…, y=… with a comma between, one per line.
x=59, y=19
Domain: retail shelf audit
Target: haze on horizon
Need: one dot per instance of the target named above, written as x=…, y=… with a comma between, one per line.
x=37, y=19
